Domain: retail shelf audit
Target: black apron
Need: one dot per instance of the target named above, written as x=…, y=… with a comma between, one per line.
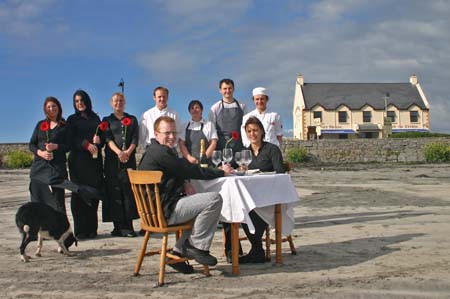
x=192, y=141
x=227, y=121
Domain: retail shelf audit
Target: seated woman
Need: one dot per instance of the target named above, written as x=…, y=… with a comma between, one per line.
x=266, y=157
x=196, y=130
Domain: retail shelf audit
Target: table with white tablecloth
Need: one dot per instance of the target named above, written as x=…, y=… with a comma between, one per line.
x=272, y=196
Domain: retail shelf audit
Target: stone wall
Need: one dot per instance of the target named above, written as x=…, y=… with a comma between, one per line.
x=335, y=151
x=364, y=150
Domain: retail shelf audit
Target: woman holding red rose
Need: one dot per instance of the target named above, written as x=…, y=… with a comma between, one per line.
x=48, y=144
x=121, y=138
x=85, y=162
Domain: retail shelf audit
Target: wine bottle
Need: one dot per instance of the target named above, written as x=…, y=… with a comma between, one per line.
x=203, y=161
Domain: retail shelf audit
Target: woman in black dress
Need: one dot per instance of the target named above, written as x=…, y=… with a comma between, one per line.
x=266, y=157
x=121, y=139
x=85, y=163
x=48, y=144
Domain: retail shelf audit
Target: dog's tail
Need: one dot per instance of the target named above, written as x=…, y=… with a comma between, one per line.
x=26, y=228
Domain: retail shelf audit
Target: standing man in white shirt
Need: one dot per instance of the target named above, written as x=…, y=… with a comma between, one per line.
x=270, y=120
x=146, y=131
x=227, y=115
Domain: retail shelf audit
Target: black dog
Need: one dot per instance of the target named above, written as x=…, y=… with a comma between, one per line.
x=37, y=221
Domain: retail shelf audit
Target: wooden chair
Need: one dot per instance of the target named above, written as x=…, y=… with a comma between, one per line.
x=268, y=240
x=146, y=194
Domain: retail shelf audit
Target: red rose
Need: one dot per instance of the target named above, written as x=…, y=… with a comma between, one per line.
x=44, y=126
x=103, y=126
x=235, y=135
x=126, y=121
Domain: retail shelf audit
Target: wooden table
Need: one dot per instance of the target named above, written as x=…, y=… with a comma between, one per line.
x=272, y=196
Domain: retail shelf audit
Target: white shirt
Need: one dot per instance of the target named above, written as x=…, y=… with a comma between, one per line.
x=146, y=130
x=272, y=125
x=208, y=128
x=217, y=107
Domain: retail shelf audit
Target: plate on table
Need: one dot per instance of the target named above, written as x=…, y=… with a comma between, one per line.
x=252, y=171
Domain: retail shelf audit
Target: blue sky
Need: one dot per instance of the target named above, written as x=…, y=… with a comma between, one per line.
x=53, y=47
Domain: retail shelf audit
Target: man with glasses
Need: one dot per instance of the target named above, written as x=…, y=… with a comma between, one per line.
x=178, y=197
x=161, y=97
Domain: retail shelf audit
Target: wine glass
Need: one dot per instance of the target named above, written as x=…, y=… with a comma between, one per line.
x=227, y=155
x=216, y=157
x=246, y=157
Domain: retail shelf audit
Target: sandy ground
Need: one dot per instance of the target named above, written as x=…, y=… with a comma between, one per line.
x=365, y=231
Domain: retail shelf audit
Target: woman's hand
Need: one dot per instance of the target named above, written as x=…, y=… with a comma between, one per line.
x=92, y=149
x=51, y=146
x=96, y=139
x=123, y=156
x=46, y=155
x=192, y=159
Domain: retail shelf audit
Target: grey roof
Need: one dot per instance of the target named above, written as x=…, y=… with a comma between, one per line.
x=356, y=95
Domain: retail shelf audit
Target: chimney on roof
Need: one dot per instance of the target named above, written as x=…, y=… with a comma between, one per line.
x=300, y=80
x=413, y=79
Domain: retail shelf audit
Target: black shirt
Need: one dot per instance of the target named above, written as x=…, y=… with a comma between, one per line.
x=269, y=158
x=175, y=172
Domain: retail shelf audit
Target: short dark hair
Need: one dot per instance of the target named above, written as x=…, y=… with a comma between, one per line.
x=160, y=88
x=193, y=103
x=253, y=120
x=165, y=118
x=226, y=81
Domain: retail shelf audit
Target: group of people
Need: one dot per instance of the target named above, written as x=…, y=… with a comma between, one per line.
x=164, y=138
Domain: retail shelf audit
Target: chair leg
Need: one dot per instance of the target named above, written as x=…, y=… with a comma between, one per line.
x=162, y=260
x=268, y=242
x=206, y=270
x=291, y=245
x=141, y=255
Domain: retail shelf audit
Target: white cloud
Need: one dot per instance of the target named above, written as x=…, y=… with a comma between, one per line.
x=23, y=18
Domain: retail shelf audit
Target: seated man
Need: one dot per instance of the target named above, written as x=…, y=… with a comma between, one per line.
x=180, y=203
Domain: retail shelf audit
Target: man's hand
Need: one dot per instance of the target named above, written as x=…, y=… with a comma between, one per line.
x=188, y=188
x=227, y=169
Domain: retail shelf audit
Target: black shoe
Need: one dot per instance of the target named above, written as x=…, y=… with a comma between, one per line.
x=253, y=258
x=92, y=235
x=128, y=233
x=229, y=257
x=200, y=256
x=116, y=233
x=141, y=232
x=81, y=236
x=182, y=267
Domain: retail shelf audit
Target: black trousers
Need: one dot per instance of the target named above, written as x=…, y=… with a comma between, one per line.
x=85, y=219
x=255, y=239
x=51, y=196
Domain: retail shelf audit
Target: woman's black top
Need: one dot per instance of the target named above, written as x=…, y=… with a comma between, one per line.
x=53, y=171
x=269, y=158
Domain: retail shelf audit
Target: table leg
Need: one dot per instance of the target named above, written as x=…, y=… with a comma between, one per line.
x=278, y=229
x=235, y=249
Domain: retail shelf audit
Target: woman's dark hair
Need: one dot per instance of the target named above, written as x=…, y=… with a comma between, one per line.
x=59, y=119
x=86, y=100
x=193, y=103
x=253, y=120
x=226, y=81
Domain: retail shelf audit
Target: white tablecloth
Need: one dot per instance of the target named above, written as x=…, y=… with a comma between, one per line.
x=241, y=194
